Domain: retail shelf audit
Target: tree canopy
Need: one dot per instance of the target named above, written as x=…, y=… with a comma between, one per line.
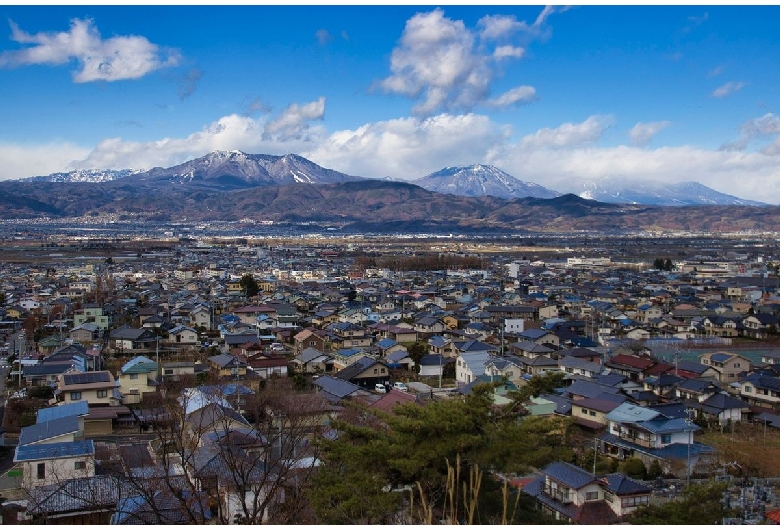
x=416, y=447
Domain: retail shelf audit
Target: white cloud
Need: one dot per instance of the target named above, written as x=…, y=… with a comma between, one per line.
x=766, y=125
x=443, y=65
x=409, y=148
x=113, y=59
x=643, y=132
x=561, y=157
x=568, y=134
x=294, y=120
x=20, y=161
x=515, y=52
x=727, y=89
x=520, y=94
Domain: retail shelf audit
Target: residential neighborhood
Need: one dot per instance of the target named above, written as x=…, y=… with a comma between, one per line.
x=198, y=381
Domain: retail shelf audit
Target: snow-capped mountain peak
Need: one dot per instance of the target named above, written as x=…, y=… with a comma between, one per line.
x=479, y=180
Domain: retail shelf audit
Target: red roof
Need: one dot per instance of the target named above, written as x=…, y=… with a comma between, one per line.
x=630, y=360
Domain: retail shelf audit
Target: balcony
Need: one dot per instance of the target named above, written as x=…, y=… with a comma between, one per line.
x=562, y=496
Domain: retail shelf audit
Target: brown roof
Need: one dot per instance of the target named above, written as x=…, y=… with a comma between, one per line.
x=393, y=398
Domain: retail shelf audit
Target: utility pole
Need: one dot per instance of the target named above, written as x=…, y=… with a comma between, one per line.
x=689, y=424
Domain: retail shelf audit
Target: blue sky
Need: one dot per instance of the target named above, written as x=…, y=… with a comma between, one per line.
x=556, y=96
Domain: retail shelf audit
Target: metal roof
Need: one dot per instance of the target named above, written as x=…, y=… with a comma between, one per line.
x=77, y=408
x=48, y=430
x=35, y=452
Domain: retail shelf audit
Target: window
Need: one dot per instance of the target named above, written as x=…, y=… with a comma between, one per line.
x=41, y=471
x=79, y=465
x=748, y=388
x=584, y=411
x=133, y=376
x=592, y=413
x=383, y=370
x=608, y=496
x=168, y=371
x=102, y=393
x=591, y=495
x=75, y=396
x=666, y=438
x=376, y=370
x=628, y=502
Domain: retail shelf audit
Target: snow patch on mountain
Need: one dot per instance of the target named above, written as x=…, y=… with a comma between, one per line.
x=480, y=180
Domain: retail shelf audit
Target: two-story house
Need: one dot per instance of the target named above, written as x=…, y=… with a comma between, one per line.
x=96, y=388
x=572, y=495
x=136, y=378
x=728, y=365
x=649, y=435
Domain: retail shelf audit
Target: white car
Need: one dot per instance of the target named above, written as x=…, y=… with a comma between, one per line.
x=380, y=388
x=400, y=386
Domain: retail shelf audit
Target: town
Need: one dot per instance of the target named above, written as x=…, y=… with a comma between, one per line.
x=200, y=375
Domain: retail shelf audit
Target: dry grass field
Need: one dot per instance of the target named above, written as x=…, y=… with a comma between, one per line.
x=755, y=449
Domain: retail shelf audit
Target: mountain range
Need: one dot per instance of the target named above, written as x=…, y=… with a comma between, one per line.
x=230, y=170
x=233, y=186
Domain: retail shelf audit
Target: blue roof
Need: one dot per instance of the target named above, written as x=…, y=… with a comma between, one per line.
x=620, y=484
x=56, y=450
x=569, y=474
x=337, y=387
x=48, y=430
x=77, y=408
x=721, y=357
x=386, y=343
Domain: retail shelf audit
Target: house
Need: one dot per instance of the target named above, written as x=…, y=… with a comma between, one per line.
x=432, y=364
x=308, y=338
x=366, y=372
x=136, y=378
x=509, y=367
x=346, y=356
x=92, y=313
x=469, y=366
x=649, y=435
x=721, y=408
x=51, y=463
x=760, y=390
x=591, y=413
x=176, y=369
x=181, y=336
x=96, y=388
x=126, y=340
x=572, y=495
x=312, y=360
x=727, y=365
x=227, y=365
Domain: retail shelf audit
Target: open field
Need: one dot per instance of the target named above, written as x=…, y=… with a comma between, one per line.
x=753, y=447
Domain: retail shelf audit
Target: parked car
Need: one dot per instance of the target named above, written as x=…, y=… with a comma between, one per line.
x=380, y=388
x=276, y=346
x=400, y=386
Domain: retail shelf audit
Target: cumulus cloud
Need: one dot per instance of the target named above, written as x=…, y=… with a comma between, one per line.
x=409, y=148
x=568, y=134
x=642, y=133
x=727, y=89
x=294, y=120
x=520, y=94
x=444, y=66
x=112, y=59
x=515, y=52
x=562, y=157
